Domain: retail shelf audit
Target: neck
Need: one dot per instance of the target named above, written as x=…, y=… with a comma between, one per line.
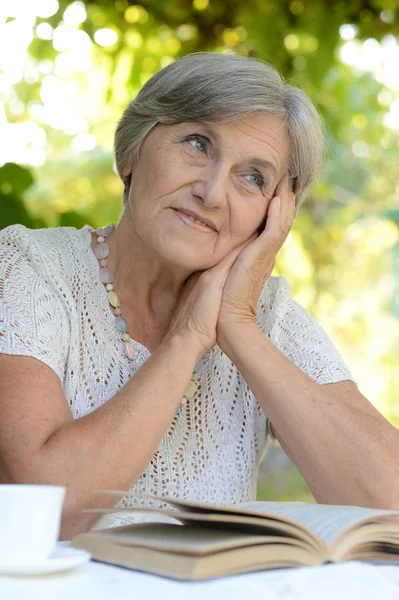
x=144, y=283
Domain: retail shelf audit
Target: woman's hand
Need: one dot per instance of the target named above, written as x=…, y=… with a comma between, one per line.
x=197, y=310
x=255, y=262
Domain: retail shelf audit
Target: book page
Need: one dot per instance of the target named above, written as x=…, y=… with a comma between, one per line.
x=326, y=520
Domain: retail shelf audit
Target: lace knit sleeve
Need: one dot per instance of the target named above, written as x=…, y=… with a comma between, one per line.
x=32, y=319
x=297, y=335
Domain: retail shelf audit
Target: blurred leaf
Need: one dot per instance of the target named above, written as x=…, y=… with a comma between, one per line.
x=12, y=211
x=14, y=179
x=73, y=219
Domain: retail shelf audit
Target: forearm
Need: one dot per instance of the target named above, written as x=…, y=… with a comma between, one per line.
x=112, y=446
x=341, y=450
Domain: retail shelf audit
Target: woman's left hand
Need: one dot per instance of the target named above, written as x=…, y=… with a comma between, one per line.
x=255, y=262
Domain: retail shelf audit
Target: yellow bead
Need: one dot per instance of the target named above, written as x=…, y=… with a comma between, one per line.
x=192, y=388
x=126, y=337
x=113, y=299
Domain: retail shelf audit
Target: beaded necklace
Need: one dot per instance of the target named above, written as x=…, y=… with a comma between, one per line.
x=106, y=276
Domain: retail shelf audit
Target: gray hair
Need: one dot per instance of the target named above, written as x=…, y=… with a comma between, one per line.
x=217, y=88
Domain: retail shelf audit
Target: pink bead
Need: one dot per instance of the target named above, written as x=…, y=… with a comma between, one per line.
x=129, y=350
x=101, y=250
x=104, y=231
x=106, y=275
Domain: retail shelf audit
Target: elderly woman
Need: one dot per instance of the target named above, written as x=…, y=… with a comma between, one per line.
x=151, y=355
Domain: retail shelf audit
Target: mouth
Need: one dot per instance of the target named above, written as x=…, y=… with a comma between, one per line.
x=192, y=222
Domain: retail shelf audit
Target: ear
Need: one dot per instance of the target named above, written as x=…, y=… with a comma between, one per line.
x=127, y=170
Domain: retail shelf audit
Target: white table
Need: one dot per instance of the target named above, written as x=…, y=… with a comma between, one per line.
x=97, y=581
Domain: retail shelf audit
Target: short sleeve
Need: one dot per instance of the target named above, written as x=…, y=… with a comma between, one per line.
x=298, y=335
x=33, y=321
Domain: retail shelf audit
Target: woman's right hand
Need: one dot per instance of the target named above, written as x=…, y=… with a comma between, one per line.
x=197, y=310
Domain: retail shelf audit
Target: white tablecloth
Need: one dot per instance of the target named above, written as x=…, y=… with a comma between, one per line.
x=97, y=581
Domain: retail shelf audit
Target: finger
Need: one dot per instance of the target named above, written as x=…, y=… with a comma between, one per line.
x=281, y=184
x=280, y=217
x=220, y=271
x=227, y=262
x=287, y=206
x=234, y=252
x=273, y=217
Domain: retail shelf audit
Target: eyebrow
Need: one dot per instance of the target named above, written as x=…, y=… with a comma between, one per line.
x=261, y=162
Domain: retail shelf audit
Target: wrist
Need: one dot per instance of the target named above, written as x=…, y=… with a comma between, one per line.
x=187, y=341
x=234, y=334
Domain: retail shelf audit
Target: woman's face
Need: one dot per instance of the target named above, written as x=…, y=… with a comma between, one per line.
x=224, y=172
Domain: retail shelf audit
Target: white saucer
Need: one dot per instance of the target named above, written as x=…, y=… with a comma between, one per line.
x=62, y=559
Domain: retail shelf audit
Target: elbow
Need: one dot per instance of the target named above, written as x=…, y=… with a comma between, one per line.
x=387, y=499
x=73, y=521
x=28, y=474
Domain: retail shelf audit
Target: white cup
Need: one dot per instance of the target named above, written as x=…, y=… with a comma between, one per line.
x=30, y=518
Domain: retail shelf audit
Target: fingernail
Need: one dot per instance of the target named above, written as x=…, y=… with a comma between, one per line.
x=278, y=201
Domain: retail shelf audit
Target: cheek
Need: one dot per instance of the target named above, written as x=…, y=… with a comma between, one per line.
x=246, y=221
x=168, y=171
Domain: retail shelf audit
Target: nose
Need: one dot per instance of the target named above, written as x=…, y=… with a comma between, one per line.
x=212, y=186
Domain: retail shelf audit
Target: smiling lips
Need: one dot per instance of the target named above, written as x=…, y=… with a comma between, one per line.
x=197, y=219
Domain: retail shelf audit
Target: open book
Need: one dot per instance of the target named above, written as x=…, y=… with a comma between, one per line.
x=203, y=541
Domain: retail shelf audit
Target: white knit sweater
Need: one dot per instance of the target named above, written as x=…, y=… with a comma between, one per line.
x=54, y=308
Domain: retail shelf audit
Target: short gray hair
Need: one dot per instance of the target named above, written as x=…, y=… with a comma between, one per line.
x=217, y=88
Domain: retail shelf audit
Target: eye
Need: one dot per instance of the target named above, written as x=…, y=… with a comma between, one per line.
x=256, y=179
x=197, y=142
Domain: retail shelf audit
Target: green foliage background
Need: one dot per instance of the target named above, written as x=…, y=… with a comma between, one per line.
x=342, y=258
